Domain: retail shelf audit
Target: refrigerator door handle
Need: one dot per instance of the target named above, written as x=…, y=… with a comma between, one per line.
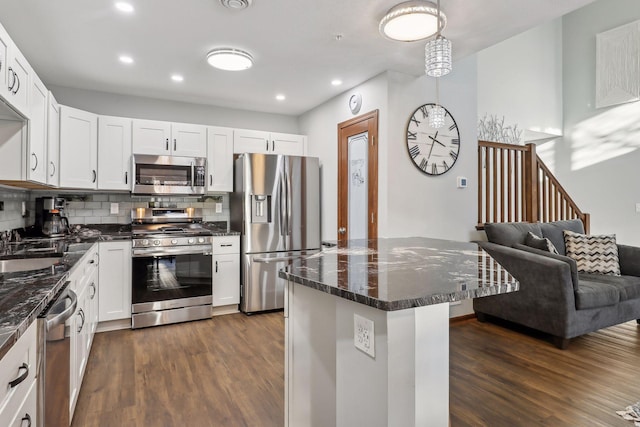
x=277, y=259
x=282, y=199
x=289, y=196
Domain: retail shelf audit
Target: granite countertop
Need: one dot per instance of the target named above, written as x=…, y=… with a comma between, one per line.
x=401, y=273
x=24, y=295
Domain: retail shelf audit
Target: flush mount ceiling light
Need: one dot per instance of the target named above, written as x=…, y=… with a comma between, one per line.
x=230, y=59
x=126, y=59
x=236, y=4
x=412, y=20
x=124, y=7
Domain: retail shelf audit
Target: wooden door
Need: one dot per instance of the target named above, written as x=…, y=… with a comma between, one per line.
x=358, y=177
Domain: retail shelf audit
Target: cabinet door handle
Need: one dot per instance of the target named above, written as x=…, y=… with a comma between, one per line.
x=36, y=157
x=210, y=179
x=267, y=141
x=21, y=377
x=126, y=177
x=13, y=83
x=273, y=145
x=216, y=266
x=93, y=288
x=26, y=418
x=81, y=314
x=53, y=168
x=95, y=175
x=18, y=81
x=175, y=144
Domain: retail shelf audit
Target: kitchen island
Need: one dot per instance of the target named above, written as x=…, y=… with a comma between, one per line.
x=367, y=329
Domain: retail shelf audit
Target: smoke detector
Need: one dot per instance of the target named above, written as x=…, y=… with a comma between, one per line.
x=236, y=4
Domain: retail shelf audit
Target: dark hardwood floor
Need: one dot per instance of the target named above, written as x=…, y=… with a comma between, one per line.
x=229, y=371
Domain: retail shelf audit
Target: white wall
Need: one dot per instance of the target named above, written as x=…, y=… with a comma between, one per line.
x=597, y=162
x=160, y=109
x=520, y=79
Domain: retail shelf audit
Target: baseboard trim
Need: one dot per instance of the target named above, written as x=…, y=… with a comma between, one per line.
x=462, y=318
x=114, y=325
x=224, y=309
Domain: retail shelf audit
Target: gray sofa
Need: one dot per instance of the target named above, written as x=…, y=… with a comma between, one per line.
x=554, y=297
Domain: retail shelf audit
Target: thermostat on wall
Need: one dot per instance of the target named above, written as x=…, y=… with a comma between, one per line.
x=462, y=182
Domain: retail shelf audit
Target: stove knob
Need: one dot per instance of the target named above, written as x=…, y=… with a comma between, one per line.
x=145, y=242
x=156, y=242
x=174, y=242
x=200, y=239
x=192, y=241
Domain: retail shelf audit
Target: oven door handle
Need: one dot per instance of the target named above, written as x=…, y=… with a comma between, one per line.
x=186, y=250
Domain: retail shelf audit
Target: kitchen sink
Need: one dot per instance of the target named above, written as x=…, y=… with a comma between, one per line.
x=17, y=265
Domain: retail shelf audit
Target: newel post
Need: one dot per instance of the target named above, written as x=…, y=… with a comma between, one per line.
x=531, y=183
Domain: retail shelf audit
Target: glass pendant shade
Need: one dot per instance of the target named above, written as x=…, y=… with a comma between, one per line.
x=437, y=54
x=436, y=117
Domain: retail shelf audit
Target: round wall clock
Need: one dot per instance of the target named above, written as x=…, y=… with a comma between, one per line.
x=355, y=102
x=433, y=151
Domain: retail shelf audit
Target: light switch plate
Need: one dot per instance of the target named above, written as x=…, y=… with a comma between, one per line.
x=462, y=182
x=637, y=207
x=364, y=335
x=218, y=207
x=115, y=208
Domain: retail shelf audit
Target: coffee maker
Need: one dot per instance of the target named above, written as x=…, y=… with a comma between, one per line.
x=50, y=219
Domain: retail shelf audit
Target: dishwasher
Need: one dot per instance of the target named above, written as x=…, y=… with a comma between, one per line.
x=54, y=359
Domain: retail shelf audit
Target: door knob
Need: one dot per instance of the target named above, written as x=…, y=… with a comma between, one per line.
x=342, y=230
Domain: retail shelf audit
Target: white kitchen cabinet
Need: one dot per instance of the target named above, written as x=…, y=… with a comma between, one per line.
x=53, y=141
x=78, y=148
x=27, y=413
x=20, y=359
x=253, y=141
x=38, y=130
x=18, y=75
x=115, y=281
x=220, y=159
x=114, y=153
x=226, y=270
x=5, y=43
x=169, y=139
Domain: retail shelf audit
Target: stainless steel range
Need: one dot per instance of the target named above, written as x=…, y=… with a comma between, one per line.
x=171, y=266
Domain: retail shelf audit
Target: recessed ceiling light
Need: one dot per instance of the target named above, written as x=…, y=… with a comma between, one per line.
x=230, y=59
x=281, y=97
x=412, y=20
x=126, y=59
x=177, y=78
x=336, y=82
x=236, y=4
x=124, y=7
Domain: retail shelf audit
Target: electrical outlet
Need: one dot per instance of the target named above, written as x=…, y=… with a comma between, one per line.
x=218, y=207
x=363, y=335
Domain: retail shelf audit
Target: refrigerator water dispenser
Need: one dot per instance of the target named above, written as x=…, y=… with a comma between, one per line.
x=260, y=208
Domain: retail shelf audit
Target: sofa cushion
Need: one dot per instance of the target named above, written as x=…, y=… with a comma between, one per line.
x=553, y=231
x=593, y=254
x=541, y=243
x=510, y=233
x=628, y=286
x=596, y=294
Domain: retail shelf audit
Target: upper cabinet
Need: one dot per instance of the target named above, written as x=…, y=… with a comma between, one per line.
x=18, y=71
x=220, y=159
x=38, y=130
x=114, y=153
x=78, y=148
x=5, y=42
x=53, y=141
x=169, y=139
x=253, y=141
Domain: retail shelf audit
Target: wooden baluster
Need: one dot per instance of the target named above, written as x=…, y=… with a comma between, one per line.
x=496, y=217
x=481, y=151
x=487, y=183
x=509, y=186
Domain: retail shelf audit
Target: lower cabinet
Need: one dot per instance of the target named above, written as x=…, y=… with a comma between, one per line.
x=226, y=270
x=115, y=281
x=84, y=282
x=18, y=367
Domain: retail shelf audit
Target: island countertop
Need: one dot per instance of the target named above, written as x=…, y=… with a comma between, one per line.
x=400, y=273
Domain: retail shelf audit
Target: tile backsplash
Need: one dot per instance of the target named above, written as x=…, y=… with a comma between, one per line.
x=96, y=208
x=11, y=214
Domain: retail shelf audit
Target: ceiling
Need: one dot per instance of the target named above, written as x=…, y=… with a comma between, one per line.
x=76, y=43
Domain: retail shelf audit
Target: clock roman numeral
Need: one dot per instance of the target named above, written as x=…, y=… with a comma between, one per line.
x=423, y=165
x=446, y=166
x=425, y=113
x=414, y=120
x=453, y=155
x=434, y=169
x=414, y=151
x=452, y=127
x=412, y=135
x=455, y=141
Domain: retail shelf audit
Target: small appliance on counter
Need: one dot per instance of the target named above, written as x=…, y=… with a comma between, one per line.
x=50, y=219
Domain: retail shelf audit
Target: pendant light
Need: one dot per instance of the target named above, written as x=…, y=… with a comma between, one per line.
x=436, y=115
x=437, y=54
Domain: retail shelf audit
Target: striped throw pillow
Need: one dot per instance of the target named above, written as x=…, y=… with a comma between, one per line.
x=593, y=254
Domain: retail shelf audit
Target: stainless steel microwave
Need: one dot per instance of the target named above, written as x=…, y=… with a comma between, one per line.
x=162, y=175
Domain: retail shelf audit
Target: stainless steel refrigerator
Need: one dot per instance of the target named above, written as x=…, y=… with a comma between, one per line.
x=276, y=206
